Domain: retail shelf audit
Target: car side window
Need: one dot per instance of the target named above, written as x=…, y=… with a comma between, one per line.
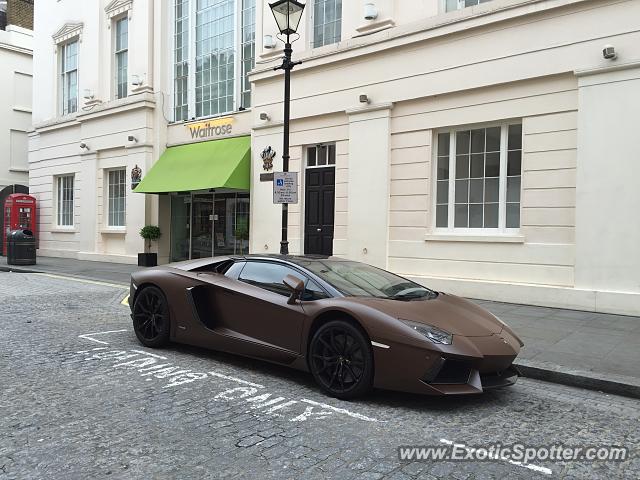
x=234, y=270
x=269, y=276
x=313, y=292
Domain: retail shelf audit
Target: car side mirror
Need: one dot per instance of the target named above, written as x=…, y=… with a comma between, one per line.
x=295, y=285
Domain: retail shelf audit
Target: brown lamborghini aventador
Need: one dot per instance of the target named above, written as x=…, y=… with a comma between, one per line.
x=352, y=325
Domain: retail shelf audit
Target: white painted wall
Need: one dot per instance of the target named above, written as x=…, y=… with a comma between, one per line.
x=15, y=109
x=103, y=124
x=500, y=61
x=608, y=197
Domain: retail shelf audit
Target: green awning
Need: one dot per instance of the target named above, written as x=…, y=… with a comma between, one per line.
x=200, y=166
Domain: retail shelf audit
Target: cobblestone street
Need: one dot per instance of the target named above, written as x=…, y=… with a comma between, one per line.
x=82, y=399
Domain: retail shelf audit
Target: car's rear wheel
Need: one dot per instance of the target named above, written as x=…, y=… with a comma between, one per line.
x=340, y=359
x=151, y=317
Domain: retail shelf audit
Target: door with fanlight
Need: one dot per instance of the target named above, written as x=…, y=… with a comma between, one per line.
x=320, y=188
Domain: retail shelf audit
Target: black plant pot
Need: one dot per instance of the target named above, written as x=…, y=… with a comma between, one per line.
x=147, y=259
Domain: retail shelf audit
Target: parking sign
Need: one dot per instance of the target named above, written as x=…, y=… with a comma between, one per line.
x=285, y=187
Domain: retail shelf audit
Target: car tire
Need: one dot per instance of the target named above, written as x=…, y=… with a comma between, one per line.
x=150, y=315
x=341, y=360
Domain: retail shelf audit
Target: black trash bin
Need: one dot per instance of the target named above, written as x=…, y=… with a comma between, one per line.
x=21, y=248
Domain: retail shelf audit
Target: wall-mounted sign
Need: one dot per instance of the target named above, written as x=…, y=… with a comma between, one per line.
x=285, y=187
x=267, y=155
x=136, y=176
x=211, y=128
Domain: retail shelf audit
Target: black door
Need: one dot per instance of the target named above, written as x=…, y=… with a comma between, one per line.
x=320, y=192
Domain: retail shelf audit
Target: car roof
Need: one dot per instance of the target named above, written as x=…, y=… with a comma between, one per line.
x=295, y=259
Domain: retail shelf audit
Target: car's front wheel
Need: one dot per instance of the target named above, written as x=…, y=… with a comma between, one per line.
x=151, y=317
x=340, y=359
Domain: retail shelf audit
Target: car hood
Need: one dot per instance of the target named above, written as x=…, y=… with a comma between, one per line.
x=448, y=312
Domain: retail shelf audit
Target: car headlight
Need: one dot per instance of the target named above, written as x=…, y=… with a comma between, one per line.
x=432, y=333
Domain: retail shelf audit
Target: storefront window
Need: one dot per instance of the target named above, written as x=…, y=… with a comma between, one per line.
x=206, y=225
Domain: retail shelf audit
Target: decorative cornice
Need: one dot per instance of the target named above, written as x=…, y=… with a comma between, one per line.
x=67, y=32
x=116, y=7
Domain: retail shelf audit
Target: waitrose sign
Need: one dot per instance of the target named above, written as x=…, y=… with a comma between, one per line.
x=211, y=128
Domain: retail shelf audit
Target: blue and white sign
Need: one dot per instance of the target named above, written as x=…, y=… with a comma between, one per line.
x=285, y=187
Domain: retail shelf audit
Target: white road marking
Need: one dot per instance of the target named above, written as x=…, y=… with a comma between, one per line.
x=93, y=349
x=530, y=466
x=282, y=405
x=237, y=380
x=87, y=336
x=83, y=280
x=344, y=411
x=149, y=366
x=142, y=352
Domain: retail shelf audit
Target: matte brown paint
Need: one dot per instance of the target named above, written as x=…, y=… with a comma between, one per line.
x=250, y=321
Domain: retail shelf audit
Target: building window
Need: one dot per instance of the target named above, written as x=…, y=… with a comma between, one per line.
x=121, y=56
x=248, y=48
x=117, y=198
x=327, y=22
x=451, y=5
x=181, y=60
x=478, y=175
x=321, y=156
x=214, y=50
x=64, y=201
x=69, y=77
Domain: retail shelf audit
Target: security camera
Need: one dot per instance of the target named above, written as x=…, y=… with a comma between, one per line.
x=364, y=99
x=609, y=52
x=264, y=116
x=84, y=146
x=131, y=138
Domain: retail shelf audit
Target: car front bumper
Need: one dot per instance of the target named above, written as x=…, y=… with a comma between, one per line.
x=469, y=366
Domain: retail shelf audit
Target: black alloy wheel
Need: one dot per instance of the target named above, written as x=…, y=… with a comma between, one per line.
x=151, y=317
x=340, y=359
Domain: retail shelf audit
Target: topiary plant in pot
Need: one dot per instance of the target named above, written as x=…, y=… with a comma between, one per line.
x=150, y=233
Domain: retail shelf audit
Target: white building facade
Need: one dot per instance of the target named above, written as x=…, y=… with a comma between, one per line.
x=15, y=109
x=119, y=87
x=481, y=148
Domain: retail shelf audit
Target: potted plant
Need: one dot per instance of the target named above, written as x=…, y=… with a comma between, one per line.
x=148, y=259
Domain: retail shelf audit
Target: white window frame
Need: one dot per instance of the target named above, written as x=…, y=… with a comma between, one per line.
x=328, y=146
x=116, y=52
x=59, y=198
x=502, y=192
x=191, y=55
x=311, y=25
x=107, y=203
x=460, y=5
x=62, y=74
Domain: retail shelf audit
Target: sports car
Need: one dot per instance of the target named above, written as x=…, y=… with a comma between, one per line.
x=352, y=325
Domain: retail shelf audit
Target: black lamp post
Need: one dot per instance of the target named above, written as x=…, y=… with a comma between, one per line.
x=288, y=14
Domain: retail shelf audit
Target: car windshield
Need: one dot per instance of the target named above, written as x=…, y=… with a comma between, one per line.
x=361, y=280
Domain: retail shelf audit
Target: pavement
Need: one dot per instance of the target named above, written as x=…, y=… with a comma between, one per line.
x=583, y=349
x=81, y=398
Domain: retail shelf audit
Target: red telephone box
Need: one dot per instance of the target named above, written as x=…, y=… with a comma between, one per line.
x=19, y=213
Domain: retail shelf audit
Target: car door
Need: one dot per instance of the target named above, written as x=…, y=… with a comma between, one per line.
x=256, y=310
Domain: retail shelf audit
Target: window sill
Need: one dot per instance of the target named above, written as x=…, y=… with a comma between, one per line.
x=64, y=230
x=461, y=237
x=112, y=230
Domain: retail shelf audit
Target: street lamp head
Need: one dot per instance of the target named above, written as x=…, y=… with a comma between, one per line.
x=288, y=14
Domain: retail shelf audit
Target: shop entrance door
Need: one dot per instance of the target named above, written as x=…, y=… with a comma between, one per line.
x=202, y=226
x=320, y=188
x=207, y=225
